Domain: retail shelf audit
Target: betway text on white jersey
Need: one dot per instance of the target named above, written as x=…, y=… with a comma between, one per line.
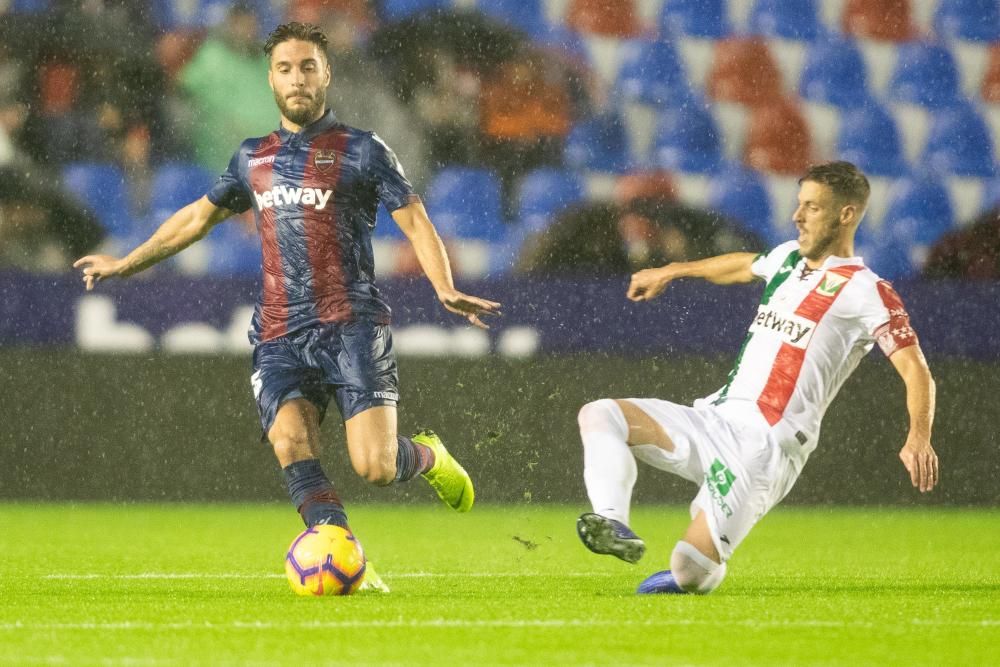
x=281, y=195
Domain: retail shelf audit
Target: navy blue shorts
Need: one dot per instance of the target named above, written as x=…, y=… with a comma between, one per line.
x=351, y=362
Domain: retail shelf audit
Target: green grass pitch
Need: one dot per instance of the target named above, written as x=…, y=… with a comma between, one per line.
x=204, y=585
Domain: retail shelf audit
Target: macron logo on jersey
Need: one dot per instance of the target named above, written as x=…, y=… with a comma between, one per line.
x=792, y=329
x=280, y=195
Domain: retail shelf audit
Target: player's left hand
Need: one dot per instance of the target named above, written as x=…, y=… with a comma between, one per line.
x=921, y=462
x=469, y=307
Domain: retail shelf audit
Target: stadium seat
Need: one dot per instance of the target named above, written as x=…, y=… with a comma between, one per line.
x=652, y=72
x=834, y=73
x=918, y=214
x=525, y=15
x=598, y=144
x=786, y=19
x=103, y=190
x=959, y=142
x=608, y=18
x=869, y=138
x=655, y=184
x=919, y=209
x=741, y=194
x=881, y=20
x=30, y=6
x=464, y=202
x=744, y=71
x=973, y=20
x=234, y=250
x=543, y=193
x=687, y=140
x=991, y=194
x=385, y=226
x=177, y=184
x=778, y=139
x=925, y=75
x=397, y=10
x=694, y=18
x=989, y=89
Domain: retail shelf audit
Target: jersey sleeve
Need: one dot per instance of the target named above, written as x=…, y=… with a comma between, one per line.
x=766, y=264
x=383, y=167
x=886, y=319
x=229, y=191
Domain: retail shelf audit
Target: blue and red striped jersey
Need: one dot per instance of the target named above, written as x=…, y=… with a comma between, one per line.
x=314, y=194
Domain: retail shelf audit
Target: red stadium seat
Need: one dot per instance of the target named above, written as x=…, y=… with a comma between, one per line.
x=882, y=20
x=609, y=18
x=744, y=71
x=778, y=141
x=990, y=88
x=58, y=87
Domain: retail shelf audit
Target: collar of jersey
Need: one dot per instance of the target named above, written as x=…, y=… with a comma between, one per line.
x=324, y=122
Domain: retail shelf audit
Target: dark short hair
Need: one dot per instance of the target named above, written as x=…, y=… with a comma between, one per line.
x=305, y=32
x=847, y=182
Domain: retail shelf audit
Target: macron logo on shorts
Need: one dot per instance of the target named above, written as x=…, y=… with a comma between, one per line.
x=281, y=195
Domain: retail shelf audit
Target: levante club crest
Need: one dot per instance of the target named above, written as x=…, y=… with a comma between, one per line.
x=325, y=159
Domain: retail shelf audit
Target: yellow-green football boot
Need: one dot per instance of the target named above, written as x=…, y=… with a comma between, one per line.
x=447, y=476
x=372, y=583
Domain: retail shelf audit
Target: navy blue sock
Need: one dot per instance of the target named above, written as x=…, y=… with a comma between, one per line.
x=411, y=459
x=313, y=495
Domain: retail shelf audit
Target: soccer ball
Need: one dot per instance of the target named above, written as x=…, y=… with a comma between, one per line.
x=325, y=560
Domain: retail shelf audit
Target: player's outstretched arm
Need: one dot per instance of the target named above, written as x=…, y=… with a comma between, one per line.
x=917, y=454
x=433, y=258
x=177, y=232
x=725, y=269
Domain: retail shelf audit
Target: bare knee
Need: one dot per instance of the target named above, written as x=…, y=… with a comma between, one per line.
x=290, y=445
x=375, y=468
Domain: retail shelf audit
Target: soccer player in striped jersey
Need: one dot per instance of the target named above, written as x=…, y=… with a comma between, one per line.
x=821, y=311
x=320, y=328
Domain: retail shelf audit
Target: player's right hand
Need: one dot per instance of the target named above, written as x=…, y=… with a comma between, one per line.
x=648, y=284
x=97, y=267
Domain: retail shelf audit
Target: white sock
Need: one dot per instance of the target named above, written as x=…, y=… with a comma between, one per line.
x=609, y=469
x=694, y=571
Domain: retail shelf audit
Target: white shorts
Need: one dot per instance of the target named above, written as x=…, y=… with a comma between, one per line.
x=742, y=470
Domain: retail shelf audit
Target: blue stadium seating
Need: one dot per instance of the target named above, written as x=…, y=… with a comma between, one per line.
x=991, y=194
x=561, y=39
x=869, y=138
x=787, y=19
x=385, y=226
x=687, y=140
x=598, y=144
x=464, y=202
x=834, y=73
x=396, y=10
x=741, y=194
x=652, y=72
x=30, y=6
x=543, y=193
x=695, y=18
x=960, y=143
x=925, y=74
x=201, y=14
x=525, y=15
x=919, y=209
x=102, y=189
x=973, y=20
x=177, y=184
x=233, y=251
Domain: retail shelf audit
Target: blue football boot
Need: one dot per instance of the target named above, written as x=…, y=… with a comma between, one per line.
x=607, y=536
x=659, y=582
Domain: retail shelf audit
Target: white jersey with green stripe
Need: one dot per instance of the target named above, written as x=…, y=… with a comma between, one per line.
x=811, y=330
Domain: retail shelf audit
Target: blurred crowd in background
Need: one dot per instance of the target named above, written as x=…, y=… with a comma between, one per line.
x=589, y=137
